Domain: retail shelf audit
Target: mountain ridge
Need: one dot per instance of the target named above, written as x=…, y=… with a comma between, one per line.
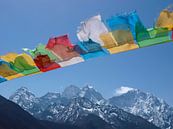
x=14, y=117
x=59, y=102
x=146, y=105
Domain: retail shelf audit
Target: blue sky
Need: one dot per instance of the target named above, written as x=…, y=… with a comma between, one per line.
x=25, y=23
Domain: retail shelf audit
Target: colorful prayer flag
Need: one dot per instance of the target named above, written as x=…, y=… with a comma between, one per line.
x=62, y=47
x=154, y=36
x=92, y=49
x=125, y=32
x=165, y=19
x=123, y=21
x=91, y=29
x=7, y=70
x=72, y=61
x=21, y=63
x=121, y=38
x=43, y=58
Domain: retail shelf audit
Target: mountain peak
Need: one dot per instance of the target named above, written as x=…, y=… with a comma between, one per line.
x=90, y=93
x=24, y=97
x=23, y=89
x=87, y=87
x=71, y=91
x=24, y=92
x=51, y=95
x=123, y=90
x=145, y=105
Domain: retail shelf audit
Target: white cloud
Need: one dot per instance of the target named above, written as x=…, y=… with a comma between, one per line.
x=122, y=90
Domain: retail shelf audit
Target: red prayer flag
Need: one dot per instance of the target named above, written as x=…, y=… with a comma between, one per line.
x=44, y=63
x=61, y=40
x=62, y=47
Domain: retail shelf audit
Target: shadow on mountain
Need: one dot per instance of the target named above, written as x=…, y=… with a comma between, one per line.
x=14, y=117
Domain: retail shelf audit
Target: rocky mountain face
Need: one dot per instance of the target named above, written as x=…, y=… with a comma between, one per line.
x=13, y=116
x=86, y=103
x=86, y=92
x=81, y=107
x=146, y=105
x=24, y=98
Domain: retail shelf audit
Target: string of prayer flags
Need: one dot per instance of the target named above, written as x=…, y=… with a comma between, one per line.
x=97, y=38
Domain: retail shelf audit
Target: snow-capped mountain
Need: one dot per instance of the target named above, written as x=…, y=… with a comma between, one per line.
x=24, y=98
x=14, y=117
x=75, y=103
x=90, y=93
x=87, y=92
x=146, y=105
x=49, y=98
x=81, y=107
x=71, y=92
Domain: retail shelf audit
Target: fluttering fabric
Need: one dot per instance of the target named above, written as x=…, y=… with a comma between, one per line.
x=41, y=50
x=108, y=40
x=43, y=58
x=121, y=38
x=166, y=18
x=123, y=21
x=72, y=61
x=92, y=49
x=21, y=63
x=91, y=30
x=154, y=36
x=62, y=47
x=7, y=71
x=120, y=33
x=44, y=63
x=119, y=47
